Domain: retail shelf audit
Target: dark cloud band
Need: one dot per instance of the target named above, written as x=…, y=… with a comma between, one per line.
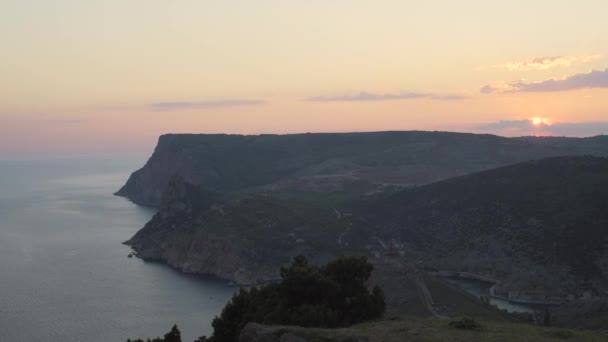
x=168, y=106
x=365, y=96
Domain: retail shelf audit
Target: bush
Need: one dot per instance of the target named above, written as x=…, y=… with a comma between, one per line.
x=561, y=334
x=172, y=336
x=465, y=323
x=310, y=296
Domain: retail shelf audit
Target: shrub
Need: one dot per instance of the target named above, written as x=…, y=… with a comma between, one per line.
x=561, y=334
x=465, y=323
x=311, y=296
x=172, y=336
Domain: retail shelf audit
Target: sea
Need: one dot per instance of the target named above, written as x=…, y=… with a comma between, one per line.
x=65, y=274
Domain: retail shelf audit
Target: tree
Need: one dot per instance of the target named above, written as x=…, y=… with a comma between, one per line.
x=308, y=295
x=174, y=335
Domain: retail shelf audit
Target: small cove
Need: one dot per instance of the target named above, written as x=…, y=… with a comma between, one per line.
x=481, y=288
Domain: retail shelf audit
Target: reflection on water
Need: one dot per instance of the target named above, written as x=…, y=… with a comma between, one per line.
x=480, y=288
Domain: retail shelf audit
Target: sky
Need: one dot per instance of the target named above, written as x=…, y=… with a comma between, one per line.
x=87, y=77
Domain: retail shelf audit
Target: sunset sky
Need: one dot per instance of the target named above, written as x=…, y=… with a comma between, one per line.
x=110, y=76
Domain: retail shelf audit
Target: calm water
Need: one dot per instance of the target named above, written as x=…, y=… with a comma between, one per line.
x=64, y=274
x=479, y=288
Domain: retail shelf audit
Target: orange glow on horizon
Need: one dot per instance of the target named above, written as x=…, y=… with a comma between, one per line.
x=536, y=121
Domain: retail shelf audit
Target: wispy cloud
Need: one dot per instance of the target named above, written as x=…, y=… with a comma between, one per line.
x=183, y=105
x=499, y=87
x=449, y=97
x=366, y=96
x=526, y=127
x=42, y=120
x=593, y=79
x=544, y=63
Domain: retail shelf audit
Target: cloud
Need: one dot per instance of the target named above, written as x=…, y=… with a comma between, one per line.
x=527, y=127
x=589, y=58
x=183, y=105
x=449, y=97
x=365, y=96
x=593, y=79
x=498, y=87
x=42, y=120
x=544, y=63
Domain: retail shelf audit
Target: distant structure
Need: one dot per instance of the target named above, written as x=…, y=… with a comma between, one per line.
x=392, y=249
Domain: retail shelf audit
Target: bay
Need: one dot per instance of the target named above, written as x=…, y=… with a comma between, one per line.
x=64, y=273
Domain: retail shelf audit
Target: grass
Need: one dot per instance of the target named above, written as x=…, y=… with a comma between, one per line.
x=406, y=323
x=421, y=329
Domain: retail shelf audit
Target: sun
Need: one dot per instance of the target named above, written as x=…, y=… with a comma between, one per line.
x=536, y=121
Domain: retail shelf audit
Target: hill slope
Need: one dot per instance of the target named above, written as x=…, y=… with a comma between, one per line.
x=540, y=226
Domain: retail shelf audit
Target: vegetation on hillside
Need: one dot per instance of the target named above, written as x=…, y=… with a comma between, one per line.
x=538, y=226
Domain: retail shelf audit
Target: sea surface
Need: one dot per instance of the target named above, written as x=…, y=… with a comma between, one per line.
x=64, y=274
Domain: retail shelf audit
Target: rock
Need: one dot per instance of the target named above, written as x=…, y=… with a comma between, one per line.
x=254, y=332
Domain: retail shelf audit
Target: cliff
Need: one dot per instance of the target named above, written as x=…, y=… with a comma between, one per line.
x=243, y=238
x=330, y=162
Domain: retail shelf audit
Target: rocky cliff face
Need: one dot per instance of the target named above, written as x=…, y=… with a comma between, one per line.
x=245, y=240
x=177, y=235
x=171, y=157
x=323, y=162
x=205, y=254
